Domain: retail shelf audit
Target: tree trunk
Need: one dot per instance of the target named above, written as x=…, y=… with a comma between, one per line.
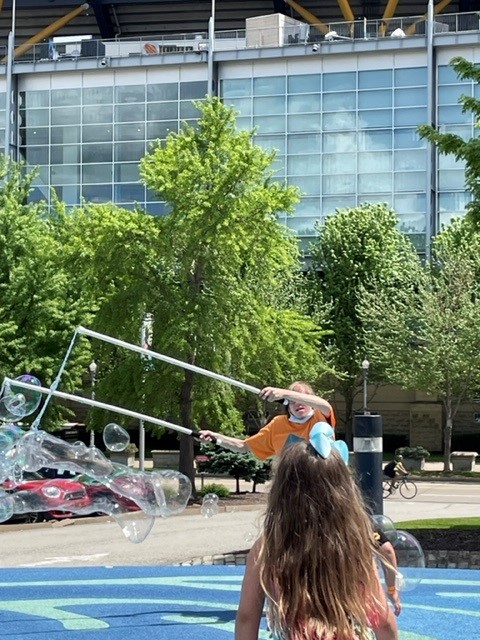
x=186, y=442
x=348, y=395
x=447, y=438
x=237, y=484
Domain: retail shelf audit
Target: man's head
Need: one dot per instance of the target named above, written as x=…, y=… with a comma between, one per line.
x=300, y=410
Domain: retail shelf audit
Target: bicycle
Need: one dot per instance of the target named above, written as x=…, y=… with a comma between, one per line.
x=408, y=488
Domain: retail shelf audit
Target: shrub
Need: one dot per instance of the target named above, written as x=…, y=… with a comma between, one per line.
x=415, y=453
x=220, y=489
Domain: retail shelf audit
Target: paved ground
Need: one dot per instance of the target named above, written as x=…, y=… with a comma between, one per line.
x=193, y=603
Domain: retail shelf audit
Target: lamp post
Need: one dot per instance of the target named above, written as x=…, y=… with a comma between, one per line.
x=9, y=84
x=365, y=368
x=211, y=49
x=92, y=367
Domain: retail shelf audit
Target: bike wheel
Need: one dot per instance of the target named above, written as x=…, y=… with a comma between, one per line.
x=386, y=489
x=408, y=489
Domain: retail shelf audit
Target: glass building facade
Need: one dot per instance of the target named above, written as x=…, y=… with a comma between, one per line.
x=343, y=124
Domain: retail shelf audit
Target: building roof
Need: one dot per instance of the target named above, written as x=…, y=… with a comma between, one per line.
x=146, y=18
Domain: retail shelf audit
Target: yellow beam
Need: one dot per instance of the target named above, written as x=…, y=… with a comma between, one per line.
x=346, y=10
x=309, y=17
x=437, y=9
x=50, y=30
x=1, y=5
x=390, y=9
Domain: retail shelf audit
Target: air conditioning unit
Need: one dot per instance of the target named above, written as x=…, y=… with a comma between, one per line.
x=274, y=30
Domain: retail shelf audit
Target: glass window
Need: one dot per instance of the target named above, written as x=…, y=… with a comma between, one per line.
x=305, y=225
x=339, y=81
x=94, y=115
x=236, y=88
x=448, y=161
x=70, y=194
x=341, y=100
x=162, y=111
x=124, y=132
x=406, y=138
x=193, y=90
x=372, y=140
x=65, y=174
x=410, y=203
x=375, y=183
x=98, y=133
x=372, y=161
x=451, y=179
x=160, y=130
x=35, y=135
x=410, y=116
x=97, y=95
x=307, y=207
x=127, y=172
x=66, y=97
x=339, y=142
x=304, y=83
x=307, y=185
x=65, y=115
x=268, y=106
x=35, y=99
x=63, y=135
x=375, y=79
x=330, y=205
x=129, y=151
x=278, y=166
x=69, y=153
x=242, y=105
x=269, y=86
x=159, y=92
x=339, y=184
x=453, y=202
x=338, y=163
x=410, y=97
x=304, y=144
x=340, y=121
x=446, y=75
x=129, y=192
x=35, y=117
x=270, y=124
x=97, y=192
x=453, y=115
x=271, y=142
x=304, y=103
x=411, y=77
x=130, y=113
x=97, y=153
x=375, y=99
x=244, y=124
x=38, y=155
x=412, y=223
x=39, y=194
x=374, y=119
x=97, y=173
x=304, y=165
x=188, y=110
x=410, y=181
x=309, y=122
x=130, y=93
x=410, y=160
x=448, y=95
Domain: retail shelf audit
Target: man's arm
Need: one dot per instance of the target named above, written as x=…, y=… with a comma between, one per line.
x=227, y=442
x=273, y=394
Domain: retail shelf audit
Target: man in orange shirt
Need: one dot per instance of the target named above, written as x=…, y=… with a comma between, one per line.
x=304, y=409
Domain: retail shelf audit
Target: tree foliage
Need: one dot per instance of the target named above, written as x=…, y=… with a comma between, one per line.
x=426, y=337
x=241, y=466
x=467, y=151
x=229, y=304
x=357, y=250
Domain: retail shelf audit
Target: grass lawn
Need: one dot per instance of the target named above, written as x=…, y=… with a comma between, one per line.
x=440, y=523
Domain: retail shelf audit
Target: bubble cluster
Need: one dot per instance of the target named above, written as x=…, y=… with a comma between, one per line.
x=132, y=498
x=209, y=506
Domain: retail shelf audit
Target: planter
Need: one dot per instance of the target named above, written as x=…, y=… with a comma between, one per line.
x=414, y=464
x=120, y=457
x=463, y=460
x=163, y=459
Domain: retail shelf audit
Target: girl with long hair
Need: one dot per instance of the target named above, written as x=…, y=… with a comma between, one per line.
x=314, y=561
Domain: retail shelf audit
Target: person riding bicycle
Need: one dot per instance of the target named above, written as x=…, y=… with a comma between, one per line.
x=393, y=471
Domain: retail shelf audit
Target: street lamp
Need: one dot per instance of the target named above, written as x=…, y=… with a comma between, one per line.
x=365, y=368
x=210, y=51
x=9, y=84
x=92, y=367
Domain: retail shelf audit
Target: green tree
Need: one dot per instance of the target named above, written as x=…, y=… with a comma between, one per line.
x=356, y=250
x=241, y=466
x=467, y=151
x=426, y=337
x=38, y=308
x=230, y=304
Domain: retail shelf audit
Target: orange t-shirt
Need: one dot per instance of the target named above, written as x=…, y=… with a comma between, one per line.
x=271, y=439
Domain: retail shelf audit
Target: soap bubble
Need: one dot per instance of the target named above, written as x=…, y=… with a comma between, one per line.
x=410, y=559
x=209, y=506
x=172, y=490
x=18, y=402
x=115, y=437
x=385, y=524
x=6, y=506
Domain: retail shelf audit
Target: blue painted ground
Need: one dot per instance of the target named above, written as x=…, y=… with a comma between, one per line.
x=198, y=603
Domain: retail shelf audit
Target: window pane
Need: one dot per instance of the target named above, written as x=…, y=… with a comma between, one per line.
x=160, y=129
x=66, y=115
x=451, y=179
x=410, y=77
x=97, y=192
x=412, y=159
x=340, y=100
x=412, y=203
x=38, y=155
x=410, y=97
x=304, y=165
x=375, y=183
x=405, y=138
x=98, y=95
x=410, y=181
x=127, y=172
x=453, y=115
x=158, y=92
x=65, y=174
x=37, y=135
x=375, y=99
x=61, y=154
x=338, y=163
x=66, y=97
x=339, y=184
x=188, y=110
x=374, y=79
x=93, y=115
x=97, y=173
x=96, y=153
x=304, y=83
x=242, y=105
x=162, y=111
x=129, y=113
x=193, y=90
x=339, y=142
x=271, y=142
x=309, y=186
x=304, y=144
x=36, y=98
x=339, y=81
x=129, y=151
x=238, y=87
x=307, y=103
x=375, y=140
x=270, y=124
x=268, y=106
x=410, y=116
x=329, y=205
x=269, y=86
x=310, y=122
x=98, y=133
x=36, y=117
x=65, y=134
x=125, y=132
x=129, y=192
x=374, y=119
x=130, y=93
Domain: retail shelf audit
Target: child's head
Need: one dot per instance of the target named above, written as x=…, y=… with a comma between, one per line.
x=316, y=555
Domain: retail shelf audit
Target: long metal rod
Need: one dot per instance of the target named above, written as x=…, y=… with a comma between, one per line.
x=160, y=356
x=100, y=405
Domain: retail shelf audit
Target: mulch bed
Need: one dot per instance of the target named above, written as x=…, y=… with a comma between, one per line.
x=447, y=539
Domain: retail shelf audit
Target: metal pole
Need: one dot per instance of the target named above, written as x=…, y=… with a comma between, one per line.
x=159, y=356
x=145, y=342
x=100, y=405
x=93, y=379
x=9, y=84
x=431, y=213
x=211, y=49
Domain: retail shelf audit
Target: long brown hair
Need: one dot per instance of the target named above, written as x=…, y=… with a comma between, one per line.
x=316, y=564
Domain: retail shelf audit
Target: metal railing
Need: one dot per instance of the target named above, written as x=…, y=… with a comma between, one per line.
x=240, y=39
